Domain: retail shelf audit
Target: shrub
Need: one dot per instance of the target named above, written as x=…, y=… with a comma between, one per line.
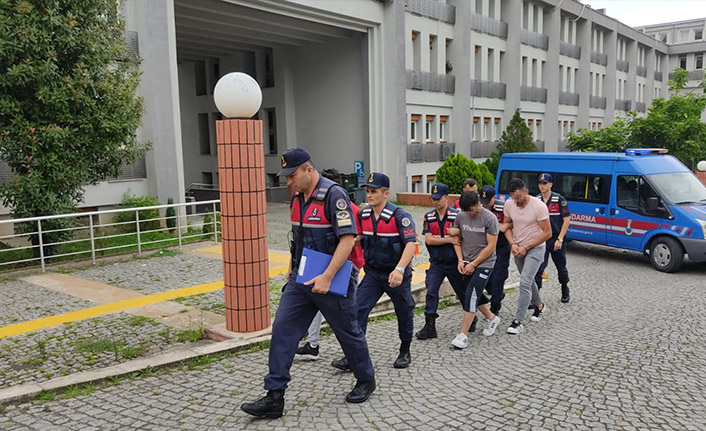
x=147, y=217
x=457, y=168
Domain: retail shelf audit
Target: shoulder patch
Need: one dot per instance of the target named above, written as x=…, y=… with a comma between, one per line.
x=563, y=203
x=341, y=204
x=406, y=222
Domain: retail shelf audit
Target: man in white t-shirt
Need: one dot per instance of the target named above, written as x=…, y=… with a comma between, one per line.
x=528, y=230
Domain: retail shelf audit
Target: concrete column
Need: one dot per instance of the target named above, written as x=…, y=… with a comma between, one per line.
x=552, y=27
x=386, y=96
x=162, y=120
x=609, y=89
x=583, y=82
x=651, y=65
x=462, y=51
x=241, y=174
x=631, y=85
x=511, y=73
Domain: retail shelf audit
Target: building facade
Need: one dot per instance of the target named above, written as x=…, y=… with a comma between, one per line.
x=396, y=84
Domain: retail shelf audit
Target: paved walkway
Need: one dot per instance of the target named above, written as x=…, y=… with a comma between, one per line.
x=626, y=353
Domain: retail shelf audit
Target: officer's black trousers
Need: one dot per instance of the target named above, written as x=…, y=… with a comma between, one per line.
x=435, y=276
x=297, y=308
x=496, y=284
x=372, y=287
x=559, y=258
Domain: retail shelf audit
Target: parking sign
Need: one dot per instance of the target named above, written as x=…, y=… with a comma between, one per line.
x=359, y=169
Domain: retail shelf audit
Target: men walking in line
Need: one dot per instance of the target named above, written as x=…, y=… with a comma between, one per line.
x=310, y=350
x=443, y=262
x=388, y=238
x=322, y=219
x=527, y=231
x=559, y=219
x=476, y=255
x=496, y=283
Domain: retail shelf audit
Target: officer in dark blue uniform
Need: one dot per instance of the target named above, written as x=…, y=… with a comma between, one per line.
x=496, y=283
x=322, y=220
x=443, y=262
x=388, y=239
x=559, y=218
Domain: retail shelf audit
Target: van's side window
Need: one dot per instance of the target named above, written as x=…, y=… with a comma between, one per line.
x=633, y=192
x=583, y=187
x=529, y=177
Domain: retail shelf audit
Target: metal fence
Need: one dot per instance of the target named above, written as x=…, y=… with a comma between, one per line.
x=491, y=90
x=532, y=38
x=427, y=81
x=533, y=94
x=599, y=58
x=597, y=102
x=484, y=24
x=136, y=229
x=567, y=98
x=622, y=65
x=569, y=50
x=432, y=9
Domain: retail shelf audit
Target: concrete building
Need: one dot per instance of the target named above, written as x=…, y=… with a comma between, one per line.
x=397, y=84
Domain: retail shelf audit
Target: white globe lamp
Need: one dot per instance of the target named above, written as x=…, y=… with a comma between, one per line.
x=701, y=166
x=237, y=95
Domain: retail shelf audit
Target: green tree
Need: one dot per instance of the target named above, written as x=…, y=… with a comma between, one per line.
x=458, y=168
x=68, y=104
x=516, y=138
x=674, y=124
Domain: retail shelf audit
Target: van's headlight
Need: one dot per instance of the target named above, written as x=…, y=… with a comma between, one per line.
x=703, y=226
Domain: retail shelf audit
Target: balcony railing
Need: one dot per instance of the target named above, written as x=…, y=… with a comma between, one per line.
x=533, y=94
x=566, y=98
x=427, y=81
x=641, y=71
x=484, y=24
x=622, y=66
x=640, y=106
x=415, y=153
x=693, y=75
x=431, y=152
x=432, y=9
x=491, y=90
x=446, y=149
x=658, y=76
x=599, y=58
x=133, y=171
x=569, y=50
x=482, y=148
x=597, y=102
x=623, y=105
x=537, y=40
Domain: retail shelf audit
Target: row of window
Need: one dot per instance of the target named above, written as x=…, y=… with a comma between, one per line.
x=434, y=129
x=698, y=61
x=437, y=51
x=685, y=35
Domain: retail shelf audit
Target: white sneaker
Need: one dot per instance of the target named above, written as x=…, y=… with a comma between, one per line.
x=492, y=326
x=537, y=315
x=460, y=342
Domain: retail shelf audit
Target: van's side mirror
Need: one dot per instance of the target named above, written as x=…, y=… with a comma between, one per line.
x=652, y=204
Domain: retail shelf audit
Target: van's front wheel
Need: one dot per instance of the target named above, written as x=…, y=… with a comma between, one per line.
x=666, y=254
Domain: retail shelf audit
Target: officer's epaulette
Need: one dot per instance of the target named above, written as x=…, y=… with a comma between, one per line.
x=431, y=215
x=555, y=197
x=321, y=193
x=366, y=212
x=451, y=215
x=388, y=212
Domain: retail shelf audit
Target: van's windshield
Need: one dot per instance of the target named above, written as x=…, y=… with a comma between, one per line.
x=680, y=188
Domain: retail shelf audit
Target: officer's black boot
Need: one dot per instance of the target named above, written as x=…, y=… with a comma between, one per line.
x=565, y=297
x=473, y=324
x=270, y=406
x=341, y=364
x=405, y=357
x=429, y=329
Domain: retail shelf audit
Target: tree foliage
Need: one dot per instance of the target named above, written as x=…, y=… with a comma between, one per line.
x=674, y=124
x=516, y=138
x=68, y=104
x=458, y=168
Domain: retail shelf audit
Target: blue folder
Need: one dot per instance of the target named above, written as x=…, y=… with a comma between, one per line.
x=314, y=263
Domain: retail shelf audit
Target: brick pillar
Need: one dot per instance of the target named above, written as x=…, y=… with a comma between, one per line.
x=241, y=174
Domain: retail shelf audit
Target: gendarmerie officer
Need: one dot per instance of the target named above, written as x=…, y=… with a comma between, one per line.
x=496, y=283
x=322, y=219
x=388, y=239
x=560, y=219
x=443, y=262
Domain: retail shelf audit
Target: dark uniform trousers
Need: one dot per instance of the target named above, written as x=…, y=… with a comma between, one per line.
x=434, y=278
x=372, y=287
x=496, y=284
x=297, y=307
x=559, y=258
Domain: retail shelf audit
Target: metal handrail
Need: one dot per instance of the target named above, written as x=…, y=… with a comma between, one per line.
x=93, y=239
